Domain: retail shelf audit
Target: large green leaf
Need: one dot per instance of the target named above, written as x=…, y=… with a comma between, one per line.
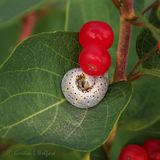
x=34, y=109
x=146, y=49
x=81, y=11
x=40, y=152
x=145, y=100
x=143, y=109
x=11, y=10
x=147, y=41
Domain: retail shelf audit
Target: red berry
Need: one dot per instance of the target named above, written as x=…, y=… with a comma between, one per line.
x=94, y=60
x=96, y=32
x=152, y=147
x=133, y=152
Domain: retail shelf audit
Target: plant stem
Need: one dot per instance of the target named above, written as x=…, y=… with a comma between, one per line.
x=127, y=12
x=28, y=25
x=136, y=76
x=108, y=145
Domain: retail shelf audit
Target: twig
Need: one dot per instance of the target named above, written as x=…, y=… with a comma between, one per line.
x=142, y=60
x=150, y=7
x=127, y=12
x=136, y=76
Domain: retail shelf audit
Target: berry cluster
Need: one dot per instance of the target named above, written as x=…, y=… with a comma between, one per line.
x=95, y=37
x=149, y=151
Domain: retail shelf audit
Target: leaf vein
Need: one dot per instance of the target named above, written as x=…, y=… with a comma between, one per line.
x=33, y=115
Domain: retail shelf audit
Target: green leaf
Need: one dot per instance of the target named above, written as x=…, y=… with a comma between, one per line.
x=39, y=152
x=132, y=56
x=34, y=109
x=146, y=49
x=154, y=17
x=81, y=11
x=8, y=39
x=98, y=154
x=11, y=10
x=147, y=41
x=143, y=109
x=152, y=25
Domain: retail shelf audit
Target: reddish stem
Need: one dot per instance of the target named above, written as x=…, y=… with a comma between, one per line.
x=136, y=76
x=127, y=12
x=147, y=55
x=28, y=25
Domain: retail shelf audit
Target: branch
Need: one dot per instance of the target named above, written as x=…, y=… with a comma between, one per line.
x=127, y=12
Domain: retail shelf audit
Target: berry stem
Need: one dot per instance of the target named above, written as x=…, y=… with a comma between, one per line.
x=127, y=12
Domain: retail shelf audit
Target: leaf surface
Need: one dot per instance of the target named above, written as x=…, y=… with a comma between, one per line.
x=33, y=106
x=143, y=109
